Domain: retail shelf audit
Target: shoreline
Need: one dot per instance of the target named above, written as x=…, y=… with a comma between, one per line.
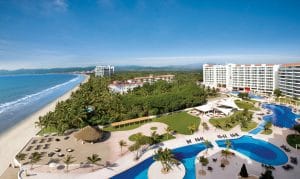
x=15, y=138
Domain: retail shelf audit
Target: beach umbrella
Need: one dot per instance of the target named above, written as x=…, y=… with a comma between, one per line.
x=52, y=165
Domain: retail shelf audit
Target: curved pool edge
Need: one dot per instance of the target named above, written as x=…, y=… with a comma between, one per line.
x=281, y=156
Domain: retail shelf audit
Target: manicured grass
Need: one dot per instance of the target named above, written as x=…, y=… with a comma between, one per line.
x=250, y=125
x=246, y=105
x=46, y=130
x=267, y=132
x=153, y=128
x=176, y=121
x=179, y=122
x=132, y=137
x=293, y=139
x=162, y=137
x=229, y=122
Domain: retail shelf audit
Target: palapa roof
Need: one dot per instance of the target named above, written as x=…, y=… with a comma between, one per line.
x=88, y=133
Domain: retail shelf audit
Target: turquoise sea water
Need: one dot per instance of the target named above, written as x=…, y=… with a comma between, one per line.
x=22, y=95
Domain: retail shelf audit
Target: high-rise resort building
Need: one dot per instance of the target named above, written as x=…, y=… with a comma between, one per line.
x=102, y=71
x=257, y=78
x=289, y=79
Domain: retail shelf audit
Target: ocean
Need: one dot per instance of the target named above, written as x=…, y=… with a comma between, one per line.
x=23, y=95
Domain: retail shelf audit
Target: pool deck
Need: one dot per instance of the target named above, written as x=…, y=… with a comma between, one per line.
x=127, y=160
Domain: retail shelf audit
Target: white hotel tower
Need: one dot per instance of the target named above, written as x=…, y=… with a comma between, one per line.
x=289, y=79
x=257, y=78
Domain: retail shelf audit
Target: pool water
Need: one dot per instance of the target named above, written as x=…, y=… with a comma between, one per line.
x=259, y=128
x=257, y=150
x=251, y=95
x=282, y=116
x=186, y=155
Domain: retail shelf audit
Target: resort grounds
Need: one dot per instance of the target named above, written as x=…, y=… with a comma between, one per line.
x=114, y=161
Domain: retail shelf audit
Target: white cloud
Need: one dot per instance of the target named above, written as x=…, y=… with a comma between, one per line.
x=61, y=4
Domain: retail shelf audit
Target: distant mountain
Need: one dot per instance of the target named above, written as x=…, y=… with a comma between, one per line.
x=189, y=67
x=45, y=71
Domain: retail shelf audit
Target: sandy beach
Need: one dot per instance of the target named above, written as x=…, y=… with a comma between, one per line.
x=13, y=140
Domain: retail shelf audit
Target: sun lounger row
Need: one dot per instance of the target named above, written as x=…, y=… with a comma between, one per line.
x=287, y=167
x=197, y=139
x=294, y=160
x=270, y=167
x=285, y=148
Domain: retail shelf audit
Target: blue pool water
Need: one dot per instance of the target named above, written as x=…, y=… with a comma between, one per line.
x=251, y=95
x=186, y=155
x=259, y=128
x=257, y=150
x=282, y=116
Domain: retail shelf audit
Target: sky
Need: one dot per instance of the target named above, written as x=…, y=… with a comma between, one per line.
x=63, y=33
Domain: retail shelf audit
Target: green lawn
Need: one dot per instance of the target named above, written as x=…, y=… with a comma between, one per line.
x=246, y=105
x=47, y=130
x=179, y=122
x=229, y=122
x=162, y=137
x=267, y=132
x=250, y=125
x=293, y=139
x=176, y=121
x=153, y=128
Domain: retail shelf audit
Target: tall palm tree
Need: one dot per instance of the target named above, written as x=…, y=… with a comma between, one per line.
x=168, y=131
x=204, y=161
x=68, y=160
x=154, y=138
x=167, y=159
x=94, y=159
x=192, y=128
x=122, y=143
x=34, y=158
x=207, y=144
x=135, y=147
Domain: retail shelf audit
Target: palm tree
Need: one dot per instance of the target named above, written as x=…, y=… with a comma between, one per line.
x=168, y=131
x=167, y=159
x=228, y=144
x=94, y=159
x=34, y=158
x=155, y=138
x=68, y=160
x=192, y=128
x=204, y=161
x=135, y=147
x=21, y=156
x=122, y=143
x=207, y=145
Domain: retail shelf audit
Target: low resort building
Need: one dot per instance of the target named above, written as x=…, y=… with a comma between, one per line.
x=123, y=87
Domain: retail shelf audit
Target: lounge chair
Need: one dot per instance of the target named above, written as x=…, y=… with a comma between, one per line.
x=49, y=139
x=51, y=154
x=34, y=141
x=219, y=136
x=294, y=160
x=188, y=141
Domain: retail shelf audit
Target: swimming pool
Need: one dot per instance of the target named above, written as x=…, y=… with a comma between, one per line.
x=186, y=155
x=251, y=95
x=258, y=150
x=282, y=116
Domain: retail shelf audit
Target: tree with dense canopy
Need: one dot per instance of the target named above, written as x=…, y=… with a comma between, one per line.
x=243, y=172
x=166, y=158
x=150, y=99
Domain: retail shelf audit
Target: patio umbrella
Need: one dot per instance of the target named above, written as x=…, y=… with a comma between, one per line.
x=52, y=165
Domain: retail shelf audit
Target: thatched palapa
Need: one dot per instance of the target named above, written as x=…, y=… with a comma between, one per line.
x=89, y=134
